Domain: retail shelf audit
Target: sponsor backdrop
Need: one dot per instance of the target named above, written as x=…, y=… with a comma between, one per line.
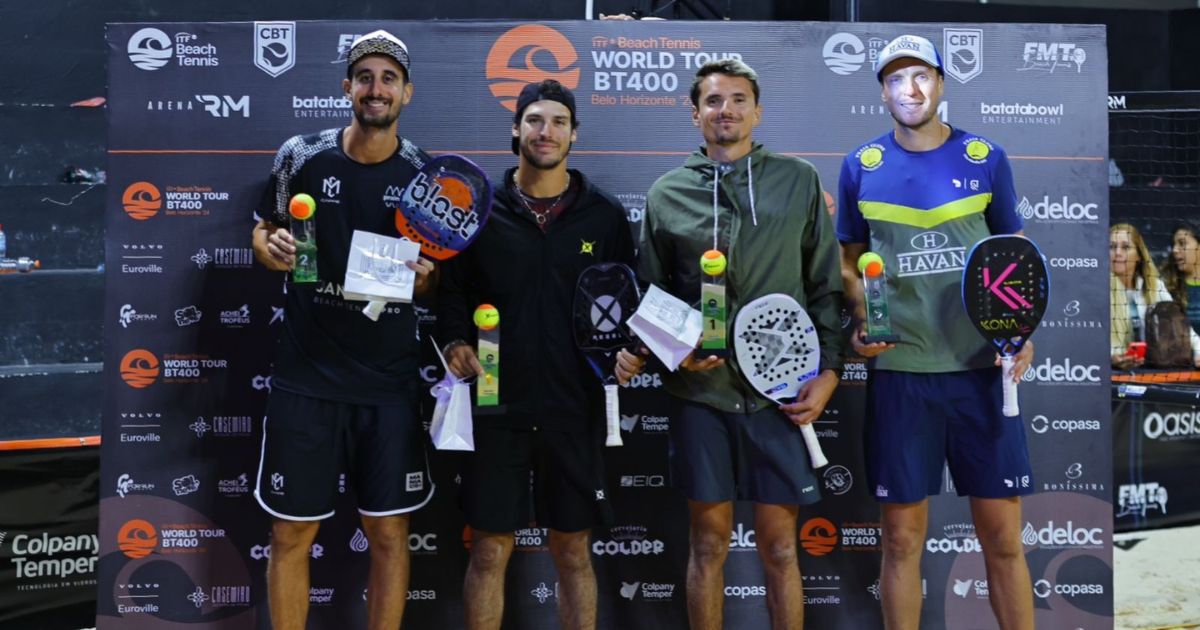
x=1156, y=441
x=196, y=112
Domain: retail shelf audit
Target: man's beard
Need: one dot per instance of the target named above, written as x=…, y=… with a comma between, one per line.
x=537, y=162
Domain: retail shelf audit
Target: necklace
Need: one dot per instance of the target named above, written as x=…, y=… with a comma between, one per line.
x=540, y=216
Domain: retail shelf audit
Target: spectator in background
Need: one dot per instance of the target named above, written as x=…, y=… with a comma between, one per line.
x=1133, y=287
x=1181, y=272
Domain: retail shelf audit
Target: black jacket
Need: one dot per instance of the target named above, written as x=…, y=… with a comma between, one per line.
x=530, y=277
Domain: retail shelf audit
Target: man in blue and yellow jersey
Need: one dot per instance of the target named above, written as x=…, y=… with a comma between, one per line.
x=921, y=196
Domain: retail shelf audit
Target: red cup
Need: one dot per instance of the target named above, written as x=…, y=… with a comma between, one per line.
x=1137, y=349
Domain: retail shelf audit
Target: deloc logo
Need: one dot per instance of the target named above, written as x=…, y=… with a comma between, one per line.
x=274, y=47
x=931, y=253
x=1064, y=373
x=224, y=105
x=1052, y=537
x=1021, y=113
x=818, y=536
x=1041, y=424
x=141, y=200
x=127, y=316
x=845, y=54
x=1049, y=57
x=1062, y=210
x=963, y=48
x=1168, y=427
x=151, y=49
x=741, y=539
x=139, y=368
x=1136, y=499
x=513, y=62
x=137, y=538
x=838, y=479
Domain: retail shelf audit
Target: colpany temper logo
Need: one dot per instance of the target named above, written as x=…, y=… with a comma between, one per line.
x=139, y=368
x=818, y=536
x=142, y=200
x=522, y=45
x=137, y=538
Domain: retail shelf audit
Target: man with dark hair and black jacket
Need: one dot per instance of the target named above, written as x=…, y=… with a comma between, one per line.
x=766, y=213
x=548, y=224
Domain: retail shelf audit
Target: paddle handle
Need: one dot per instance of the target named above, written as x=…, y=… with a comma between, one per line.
x=612, y=416
x=1010, y=409
x=815, y=454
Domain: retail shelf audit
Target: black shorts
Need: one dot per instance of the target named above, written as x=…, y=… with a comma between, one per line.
x=309, y=442
x=760, y=457
x=567, y=485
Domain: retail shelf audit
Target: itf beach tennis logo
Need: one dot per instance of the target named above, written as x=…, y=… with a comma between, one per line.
x=139, y=368
x=845, y=53
x=818, y=536
x=274, y=47
x=528, y=54
x=149, y=49
x=141, y=200
x=137, y=538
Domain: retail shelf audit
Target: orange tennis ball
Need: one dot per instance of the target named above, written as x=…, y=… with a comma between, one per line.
x=712, y=262
x=487, y=317
x=302, y=206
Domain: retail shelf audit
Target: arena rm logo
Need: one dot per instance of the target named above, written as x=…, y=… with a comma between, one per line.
x=274, y=47
x=963, y=48
x=224, y=105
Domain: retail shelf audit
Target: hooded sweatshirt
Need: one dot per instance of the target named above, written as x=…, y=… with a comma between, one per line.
x=772, y=225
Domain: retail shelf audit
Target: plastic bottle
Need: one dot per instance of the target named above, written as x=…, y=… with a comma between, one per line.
x=3, y=243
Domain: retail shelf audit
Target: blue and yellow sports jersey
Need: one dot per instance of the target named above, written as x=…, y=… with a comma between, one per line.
x=922, y=212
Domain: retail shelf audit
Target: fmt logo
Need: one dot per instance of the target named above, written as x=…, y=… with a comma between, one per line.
x=149, y=49
x=818, y=536
x=1136, y=498
x=1050, y=56
x=274, y=47
x=141, y=200
x=139, y=368
x=137, y=538
x=964, y=53
x=526, y=45
x=223, y=106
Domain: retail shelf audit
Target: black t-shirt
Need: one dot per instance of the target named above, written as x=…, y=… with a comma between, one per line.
x=328, y=348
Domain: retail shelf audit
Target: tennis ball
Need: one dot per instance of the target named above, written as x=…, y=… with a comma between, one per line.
x=867, y=259
x=487, y=317
x=302, y=206
x=712, y=262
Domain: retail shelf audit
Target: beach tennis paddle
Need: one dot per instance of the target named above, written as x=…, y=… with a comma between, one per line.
x=1005, y=290
x=606, y=295
x=777, y=350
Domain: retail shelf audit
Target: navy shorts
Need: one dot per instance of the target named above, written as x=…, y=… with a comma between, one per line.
x=760, y=456
x=918, y=424
x=309, y=442
x=519, y=477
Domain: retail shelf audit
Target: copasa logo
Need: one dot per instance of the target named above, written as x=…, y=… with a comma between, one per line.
x=141, y=200
x=512, y=61
x=139, y=368
x=137, y=538
x=818, y=536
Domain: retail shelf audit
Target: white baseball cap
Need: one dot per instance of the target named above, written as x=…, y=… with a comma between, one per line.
x=913, y=46
x=379, y=42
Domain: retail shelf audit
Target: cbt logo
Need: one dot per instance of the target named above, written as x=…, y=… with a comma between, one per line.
x=513, y=62
x=963, y=48
x=274, y=47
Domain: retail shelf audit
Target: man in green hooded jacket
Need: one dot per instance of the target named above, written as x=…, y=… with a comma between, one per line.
x=766, y=213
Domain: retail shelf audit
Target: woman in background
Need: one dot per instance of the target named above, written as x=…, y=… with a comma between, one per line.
x=1181, y=272
x=1133, y=286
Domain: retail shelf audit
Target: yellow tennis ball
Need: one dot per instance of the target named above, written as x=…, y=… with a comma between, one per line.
x=302, y=206
x=868, y=258
x=712, y=262
x=487, y=317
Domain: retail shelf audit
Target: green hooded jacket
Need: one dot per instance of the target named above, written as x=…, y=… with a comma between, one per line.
x=777, y=237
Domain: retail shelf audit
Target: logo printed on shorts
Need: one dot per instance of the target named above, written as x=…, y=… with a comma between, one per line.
x=277, y=483
x=414, y=481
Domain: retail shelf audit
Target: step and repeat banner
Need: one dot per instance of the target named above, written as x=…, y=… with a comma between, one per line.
x=196, y=112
